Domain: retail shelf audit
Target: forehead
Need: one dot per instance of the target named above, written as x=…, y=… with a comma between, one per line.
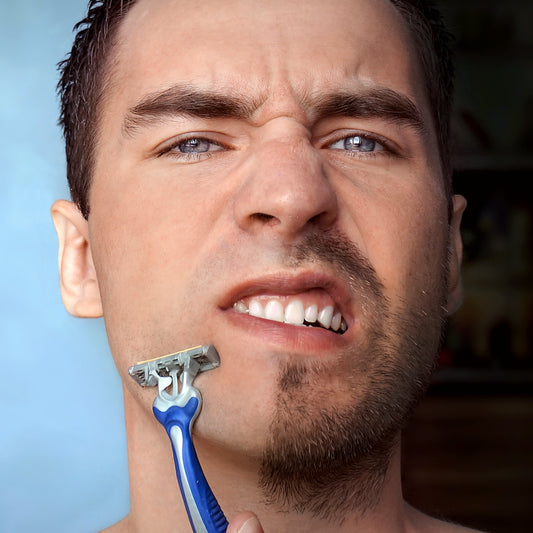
x=257, y=47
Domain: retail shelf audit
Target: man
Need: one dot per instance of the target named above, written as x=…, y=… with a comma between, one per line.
x=272, y=178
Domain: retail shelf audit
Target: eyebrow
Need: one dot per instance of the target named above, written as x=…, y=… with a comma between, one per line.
x=371, y=103
x=190, y=101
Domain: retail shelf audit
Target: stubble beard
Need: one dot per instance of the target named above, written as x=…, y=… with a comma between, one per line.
x=330, y=447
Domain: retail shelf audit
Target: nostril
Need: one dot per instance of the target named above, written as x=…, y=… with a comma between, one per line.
x=263, y=217
x=317, y=218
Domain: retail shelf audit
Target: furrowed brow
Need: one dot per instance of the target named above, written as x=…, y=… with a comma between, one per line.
x=185, y=100
x=381, y=103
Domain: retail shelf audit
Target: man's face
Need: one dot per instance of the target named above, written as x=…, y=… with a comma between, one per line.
x=263, y=157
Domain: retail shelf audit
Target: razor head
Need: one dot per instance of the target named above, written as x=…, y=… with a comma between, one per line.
x=145, y=372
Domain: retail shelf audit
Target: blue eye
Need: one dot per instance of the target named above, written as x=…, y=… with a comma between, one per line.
x=357, y=143
x=191, y=149
x=195, y=145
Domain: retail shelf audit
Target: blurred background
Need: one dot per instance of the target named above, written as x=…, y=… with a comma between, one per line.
x=468, y=451
x=62, y=442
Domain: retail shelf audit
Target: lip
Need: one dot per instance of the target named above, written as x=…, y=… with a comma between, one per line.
x=287, y=336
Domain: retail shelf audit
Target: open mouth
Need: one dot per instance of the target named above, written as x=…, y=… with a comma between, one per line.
x=293, y=311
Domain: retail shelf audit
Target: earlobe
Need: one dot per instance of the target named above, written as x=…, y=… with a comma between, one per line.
x=455, y=288
x=77, y=276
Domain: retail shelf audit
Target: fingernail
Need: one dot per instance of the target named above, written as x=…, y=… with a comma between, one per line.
x=251, y=525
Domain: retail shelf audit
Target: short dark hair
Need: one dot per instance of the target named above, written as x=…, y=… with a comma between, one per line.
x=83, y=78
x=434, y=45
x=85, y=71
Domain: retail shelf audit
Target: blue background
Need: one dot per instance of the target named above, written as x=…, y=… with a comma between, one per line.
x=62, y=442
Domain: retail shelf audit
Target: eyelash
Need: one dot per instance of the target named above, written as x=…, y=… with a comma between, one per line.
x=168, y=149
x=388, y=148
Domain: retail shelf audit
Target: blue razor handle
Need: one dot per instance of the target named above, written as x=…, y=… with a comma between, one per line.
x=177, y=413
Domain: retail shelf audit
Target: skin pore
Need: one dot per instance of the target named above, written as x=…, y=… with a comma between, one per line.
x=253, y=152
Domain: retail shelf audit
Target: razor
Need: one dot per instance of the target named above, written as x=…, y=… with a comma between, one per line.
x=177, y=411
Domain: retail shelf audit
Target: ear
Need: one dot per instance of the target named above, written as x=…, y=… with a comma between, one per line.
x=77, y=275
x=455, y=287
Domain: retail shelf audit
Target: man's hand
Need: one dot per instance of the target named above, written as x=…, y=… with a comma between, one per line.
x=245, y=522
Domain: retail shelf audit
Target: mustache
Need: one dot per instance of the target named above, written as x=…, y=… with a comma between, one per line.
x=333, y=248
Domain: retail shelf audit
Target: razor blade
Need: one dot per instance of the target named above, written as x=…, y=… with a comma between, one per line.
x=147, y=373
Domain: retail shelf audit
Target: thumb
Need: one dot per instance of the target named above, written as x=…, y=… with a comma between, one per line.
x=245, y=522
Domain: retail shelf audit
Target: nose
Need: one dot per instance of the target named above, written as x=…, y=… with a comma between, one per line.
x=285, y=189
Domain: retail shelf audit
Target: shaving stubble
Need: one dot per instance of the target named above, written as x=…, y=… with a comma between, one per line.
x=331, y=440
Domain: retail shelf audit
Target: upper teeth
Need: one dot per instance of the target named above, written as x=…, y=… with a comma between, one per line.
x=293, y=313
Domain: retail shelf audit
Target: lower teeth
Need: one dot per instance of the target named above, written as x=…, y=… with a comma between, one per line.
x=340, y=331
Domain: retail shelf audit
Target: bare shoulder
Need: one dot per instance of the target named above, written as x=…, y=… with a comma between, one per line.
x=423, y=523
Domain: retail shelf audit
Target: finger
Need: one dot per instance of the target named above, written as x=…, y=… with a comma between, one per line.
x=245, y=522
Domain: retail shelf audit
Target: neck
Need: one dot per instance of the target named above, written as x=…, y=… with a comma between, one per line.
x=156, y=503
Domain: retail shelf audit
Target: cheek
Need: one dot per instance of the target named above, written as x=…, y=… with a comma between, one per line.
x=146, y=248
x=421, y=249
x=406, y=240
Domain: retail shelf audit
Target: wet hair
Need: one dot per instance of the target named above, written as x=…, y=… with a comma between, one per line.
x=86, y=71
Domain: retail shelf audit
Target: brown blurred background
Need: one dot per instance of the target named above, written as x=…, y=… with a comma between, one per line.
x=468, y=452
